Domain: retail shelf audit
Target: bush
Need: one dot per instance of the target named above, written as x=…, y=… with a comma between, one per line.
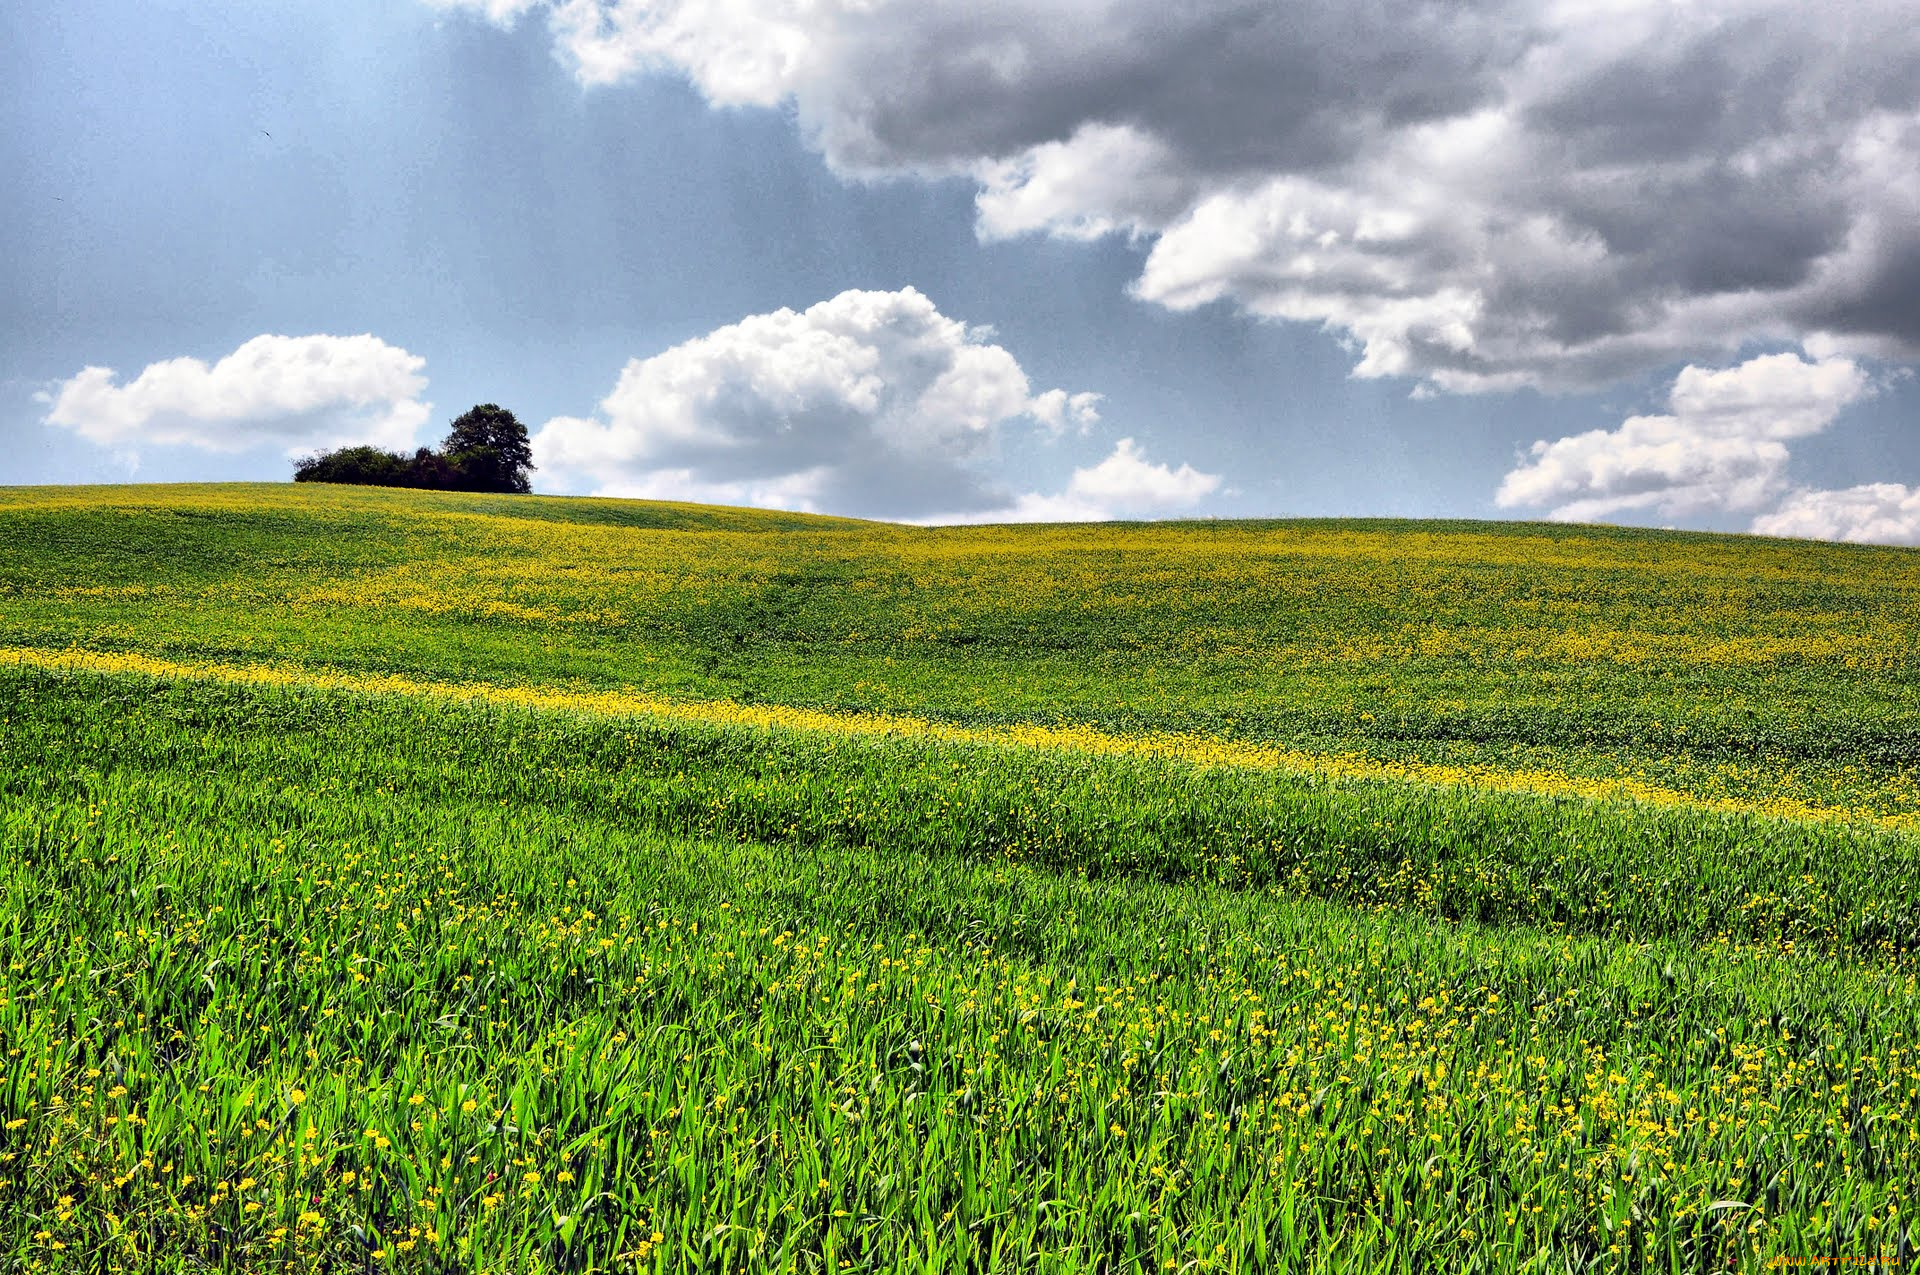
x=368, y=466
x=486, y=450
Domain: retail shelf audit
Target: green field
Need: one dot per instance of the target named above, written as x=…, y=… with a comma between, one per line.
x=414, y=881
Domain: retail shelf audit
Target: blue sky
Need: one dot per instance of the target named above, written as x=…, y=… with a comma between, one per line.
x=1299, y=280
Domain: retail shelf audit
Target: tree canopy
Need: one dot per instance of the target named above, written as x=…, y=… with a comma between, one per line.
x=490, y=447
x=487, y=449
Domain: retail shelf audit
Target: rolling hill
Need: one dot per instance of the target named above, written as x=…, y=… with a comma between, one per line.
x=431, y=881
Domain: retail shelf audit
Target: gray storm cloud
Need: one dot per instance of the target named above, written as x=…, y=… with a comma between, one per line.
x=1480, y=196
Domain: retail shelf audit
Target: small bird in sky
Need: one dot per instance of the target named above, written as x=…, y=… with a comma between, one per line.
x=265, y=131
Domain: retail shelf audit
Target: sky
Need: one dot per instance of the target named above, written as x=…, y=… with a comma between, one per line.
x=985, y=260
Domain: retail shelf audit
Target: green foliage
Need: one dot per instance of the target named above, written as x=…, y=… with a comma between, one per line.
x=363, y=466
x=487, y=450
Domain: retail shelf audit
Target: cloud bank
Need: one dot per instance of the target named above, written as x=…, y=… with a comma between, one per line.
x=1875, y=513
x=871, y=403
x=1721, y=448
x=1480, y=196
x=1124, y=485
x=296, y=392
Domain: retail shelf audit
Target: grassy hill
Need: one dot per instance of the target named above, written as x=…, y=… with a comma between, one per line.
x=1717, y=666
x=430, y=881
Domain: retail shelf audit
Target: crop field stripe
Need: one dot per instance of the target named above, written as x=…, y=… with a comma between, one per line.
x=1195, y=749
x=1627, y=871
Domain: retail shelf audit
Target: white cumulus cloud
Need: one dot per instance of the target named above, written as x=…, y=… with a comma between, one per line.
x=1060, y=411
x=1124, y=485
x=296, y=392
x=1479, y=196
x=1874, y=513
x=1721, y=447
x=871, y=403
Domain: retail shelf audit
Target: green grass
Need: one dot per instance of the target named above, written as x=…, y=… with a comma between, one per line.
x=368, y=899
x=296, y=977
x=1718, y=665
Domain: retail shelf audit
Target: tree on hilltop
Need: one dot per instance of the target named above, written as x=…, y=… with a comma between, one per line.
x=490, y=447
x=486, y=450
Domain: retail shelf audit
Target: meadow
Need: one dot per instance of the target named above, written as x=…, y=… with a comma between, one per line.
x=428, y=882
